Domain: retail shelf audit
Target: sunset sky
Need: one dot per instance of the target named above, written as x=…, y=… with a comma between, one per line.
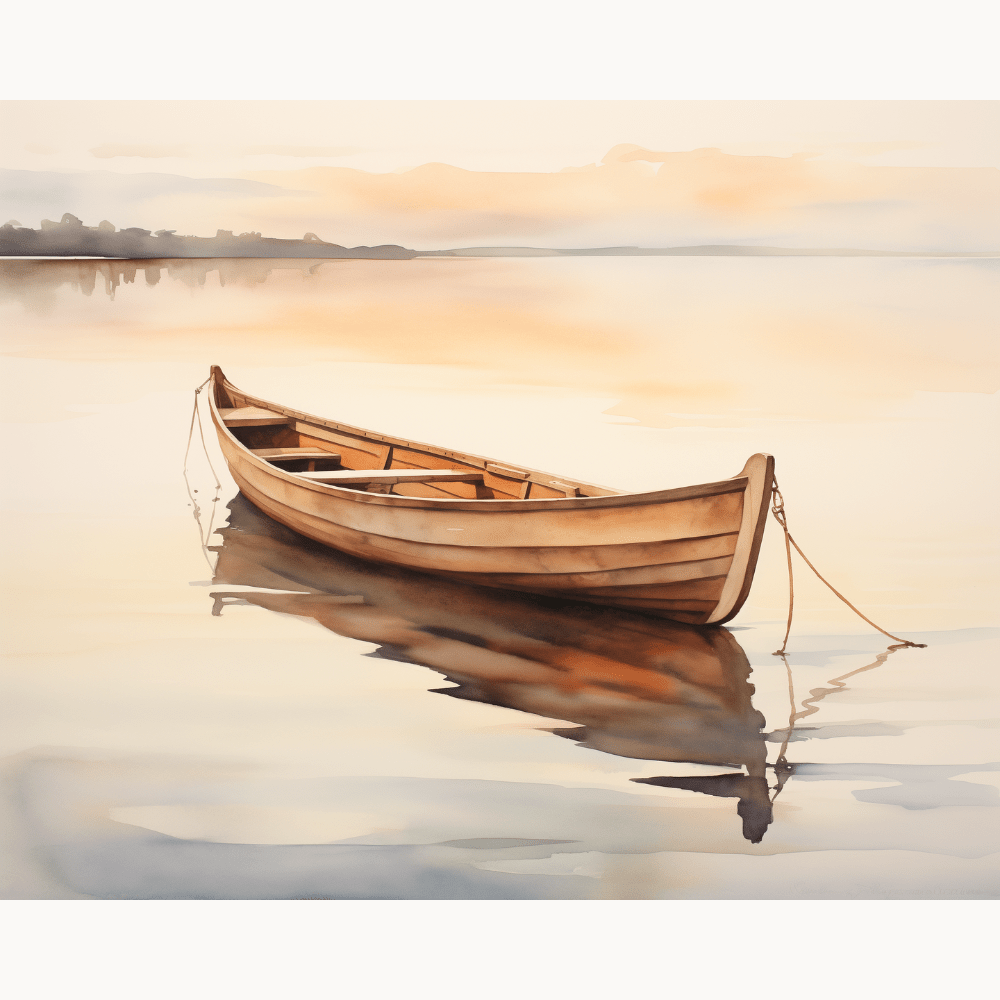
x=898, y=175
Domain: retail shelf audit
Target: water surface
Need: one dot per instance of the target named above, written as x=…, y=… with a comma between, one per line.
x=267, y=719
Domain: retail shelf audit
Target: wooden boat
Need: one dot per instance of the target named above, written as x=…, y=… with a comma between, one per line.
x=686, y=554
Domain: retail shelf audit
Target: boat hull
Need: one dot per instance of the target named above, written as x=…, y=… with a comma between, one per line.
x=686, y=554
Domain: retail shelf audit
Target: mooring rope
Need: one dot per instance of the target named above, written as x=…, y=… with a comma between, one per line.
x=778, y=510
x=203, y=535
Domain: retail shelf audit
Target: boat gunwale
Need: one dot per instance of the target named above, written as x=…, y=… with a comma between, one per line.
x=737, y=484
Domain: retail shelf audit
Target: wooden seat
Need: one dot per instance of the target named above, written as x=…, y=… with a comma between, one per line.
x=349, y=477
x=295, y=454
x=252, y=416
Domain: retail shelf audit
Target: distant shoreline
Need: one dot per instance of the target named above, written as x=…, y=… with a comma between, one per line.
x=359, y=253
x=70, y=238
x=698, y=251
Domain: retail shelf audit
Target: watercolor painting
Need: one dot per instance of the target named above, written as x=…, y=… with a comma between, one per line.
x=293, y=612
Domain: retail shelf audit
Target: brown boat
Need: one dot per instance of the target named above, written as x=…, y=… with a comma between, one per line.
x=687, y=554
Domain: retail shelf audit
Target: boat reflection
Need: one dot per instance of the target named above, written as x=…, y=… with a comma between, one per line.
x=635, y=687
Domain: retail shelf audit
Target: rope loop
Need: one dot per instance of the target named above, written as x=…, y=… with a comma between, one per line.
x=778, y=504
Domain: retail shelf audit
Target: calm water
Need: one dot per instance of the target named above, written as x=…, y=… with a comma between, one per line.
x=269, y=719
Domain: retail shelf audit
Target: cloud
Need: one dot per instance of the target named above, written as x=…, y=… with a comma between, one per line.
x=127, y=199
x=307, y=151
x=654, y=198
x=157, y=151
x=110, y=150
x=872, y=148
x=633, y=197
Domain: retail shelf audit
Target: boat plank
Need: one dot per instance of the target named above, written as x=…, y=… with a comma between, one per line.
x=390, y=476
x=505, y=486
x=702, y=607
x=407, y=458
x=483, y=527
x=447, y=557
x=626, y=576
x=506, y=471
x=359, y=453
x=707, y=588
x=292, y=454
x=253, y=416
x=440, y=490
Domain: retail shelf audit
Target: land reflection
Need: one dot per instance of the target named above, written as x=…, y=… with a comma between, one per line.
x=34, y=282
x=634, y=687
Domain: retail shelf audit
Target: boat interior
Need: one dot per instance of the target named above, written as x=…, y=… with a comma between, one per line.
x=336, y=454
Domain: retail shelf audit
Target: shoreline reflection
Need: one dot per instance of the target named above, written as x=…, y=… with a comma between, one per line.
x=33, y=281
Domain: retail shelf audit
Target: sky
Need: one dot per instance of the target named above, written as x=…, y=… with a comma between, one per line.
x=897, y=175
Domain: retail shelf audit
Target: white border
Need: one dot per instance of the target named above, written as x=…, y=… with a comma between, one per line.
x=518, y=50
x=544, y=49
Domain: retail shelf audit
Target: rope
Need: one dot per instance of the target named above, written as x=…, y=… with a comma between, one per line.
x=778, y=510
x=194, y=416
x=203, y=535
